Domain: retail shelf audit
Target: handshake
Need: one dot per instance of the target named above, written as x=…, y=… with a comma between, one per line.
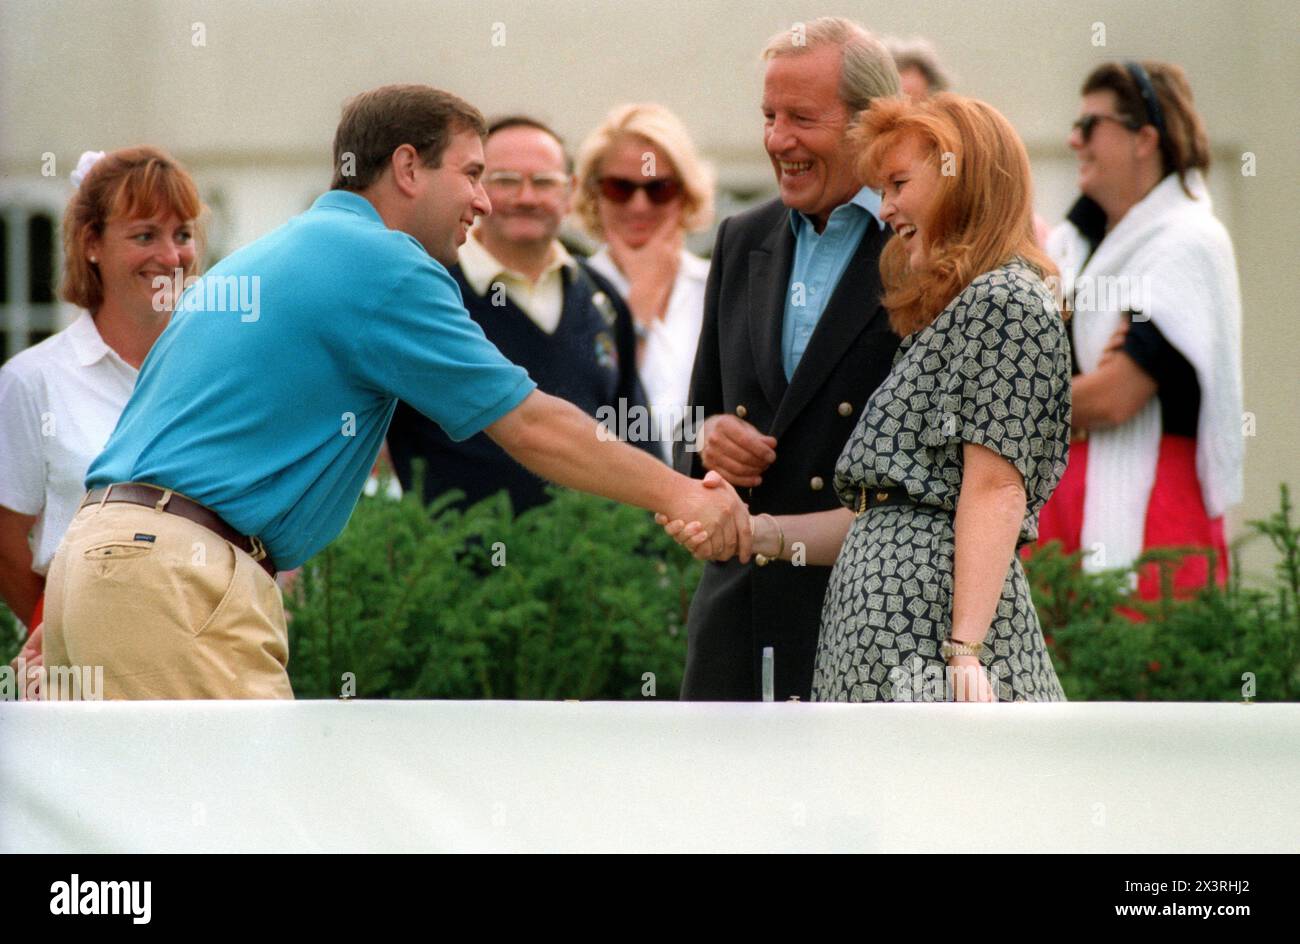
x=728, y=445
x=712, y=523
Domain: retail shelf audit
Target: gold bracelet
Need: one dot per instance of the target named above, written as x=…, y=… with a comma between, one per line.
x=951, y=648
x=762, y=560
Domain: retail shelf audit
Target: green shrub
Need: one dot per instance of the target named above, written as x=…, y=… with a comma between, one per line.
x=579, y=598
x=1223, y=644
x=11, y=635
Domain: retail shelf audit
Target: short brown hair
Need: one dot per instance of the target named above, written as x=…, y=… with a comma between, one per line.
x=376, y=123
x=130, y=183
x=507, y=122
x=1184, y=145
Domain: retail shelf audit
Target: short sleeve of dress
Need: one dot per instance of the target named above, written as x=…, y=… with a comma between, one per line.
x=1005, y=380
x=22, y=456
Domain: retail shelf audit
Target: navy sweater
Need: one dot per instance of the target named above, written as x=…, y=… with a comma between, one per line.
x=588, y=361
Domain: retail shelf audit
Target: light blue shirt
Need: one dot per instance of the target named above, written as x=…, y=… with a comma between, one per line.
x=268, y=395
x=819, y=261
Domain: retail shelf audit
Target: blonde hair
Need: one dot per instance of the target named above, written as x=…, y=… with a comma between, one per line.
x=659, y=126
x=984, y=216
x=131, y=183
x=867, y=72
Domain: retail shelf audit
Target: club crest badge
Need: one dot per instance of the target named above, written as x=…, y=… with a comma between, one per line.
x=605, y=307
x=606, y=352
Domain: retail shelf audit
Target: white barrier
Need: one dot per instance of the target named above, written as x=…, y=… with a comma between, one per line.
x=648, y=777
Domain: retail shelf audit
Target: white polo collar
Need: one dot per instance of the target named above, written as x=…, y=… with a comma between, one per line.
x=481, y=268
x=89, y=347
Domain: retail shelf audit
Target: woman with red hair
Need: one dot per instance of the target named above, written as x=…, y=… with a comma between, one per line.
x=962, y=443
x=130, y=227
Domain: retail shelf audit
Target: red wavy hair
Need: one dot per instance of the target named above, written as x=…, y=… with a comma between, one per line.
x=985, y=215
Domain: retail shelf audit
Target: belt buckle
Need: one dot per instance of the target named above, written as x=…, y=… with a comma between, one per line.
x=880, y=495
x=257, y=550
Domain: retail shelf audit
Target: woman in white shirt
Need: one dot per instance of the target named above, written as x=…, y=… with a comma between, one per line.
x=131, y=237
x=641, y=188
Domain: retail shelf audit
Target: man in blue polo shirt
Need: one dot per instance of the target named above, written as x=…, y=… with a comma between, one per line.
x=259, y=412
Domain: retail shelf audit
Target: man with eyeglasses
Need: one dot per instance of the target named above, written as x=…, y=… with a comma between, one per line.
x=545, y=311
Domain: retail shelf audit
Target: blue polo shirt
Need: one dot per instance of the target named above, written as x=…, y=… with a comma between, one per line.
x=819, y=261
x=268, y=395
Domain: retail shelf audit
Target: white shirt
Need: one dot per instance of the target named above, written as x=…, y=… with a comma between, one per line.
x=665, y=368
x=59, y=402
x=542, y=301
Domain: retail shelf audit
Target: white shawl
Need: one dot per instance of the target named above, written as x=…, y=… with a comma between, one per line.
x=1170, y=259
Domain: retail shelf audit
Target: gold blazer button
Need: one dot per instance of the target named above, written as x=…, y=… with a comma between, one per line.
x=741, y=411
x=845, y=408
x=816, y=483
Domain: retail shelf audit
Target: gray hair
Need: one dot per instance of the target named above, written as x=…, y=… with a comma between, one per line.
x=868, y=69
x=920, y=54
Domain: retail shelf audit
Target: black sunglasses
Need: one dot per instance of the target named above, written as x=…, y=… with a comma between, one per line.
x=661, y=190
x=1085, y=124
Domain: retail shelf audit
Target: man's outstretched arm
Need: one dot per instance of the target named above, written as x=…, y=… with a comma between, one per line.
x=554, y=439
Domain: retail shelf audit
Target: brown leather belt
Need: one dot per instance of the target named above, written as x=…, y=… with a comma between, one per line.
x=150, y=496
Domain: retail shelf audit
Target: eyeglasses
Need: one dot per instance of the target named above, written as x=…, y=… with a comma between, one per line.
x=660, y=190
x=1085, y=124
x=511, y=182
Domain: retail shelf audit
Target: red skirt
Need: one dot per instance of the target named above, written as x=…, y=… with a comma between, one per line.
x=1176, y=516
x=38, y=614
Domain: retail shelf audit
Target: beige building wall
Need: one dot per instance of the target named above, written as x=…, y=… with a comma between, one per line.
x=247, y=93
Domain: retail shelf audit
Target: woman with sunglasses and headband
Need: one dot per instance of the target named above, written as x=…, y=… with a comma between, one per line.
x=1156, y=440
x=641, y=188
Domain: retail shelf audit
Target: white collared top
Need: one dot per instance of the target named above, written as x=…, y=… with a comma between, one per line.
x=670, y=342
x=59, y=402
x=542, y=301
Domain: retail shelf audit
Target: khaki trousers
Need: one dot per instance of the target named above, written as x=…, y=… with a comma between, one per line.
x=167, y=607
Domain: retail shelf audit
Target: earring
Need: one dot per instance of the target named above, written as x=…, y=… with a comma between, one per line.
x=94, y=261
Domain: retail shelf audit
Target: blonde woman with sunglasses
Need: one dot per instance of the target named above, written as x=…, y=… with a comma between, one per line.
x=641, y=189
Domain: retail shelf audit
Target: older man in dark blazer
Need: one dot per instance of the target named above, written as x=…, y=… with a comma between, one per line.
x=794, y=343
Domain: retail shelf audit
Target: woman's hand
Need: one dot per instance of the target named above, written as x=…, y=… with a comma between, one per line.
x=1114, y=392
x=693, y=537
x=31, y=658
x=651, y=268
x=1115, y=343
x=969, y=679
